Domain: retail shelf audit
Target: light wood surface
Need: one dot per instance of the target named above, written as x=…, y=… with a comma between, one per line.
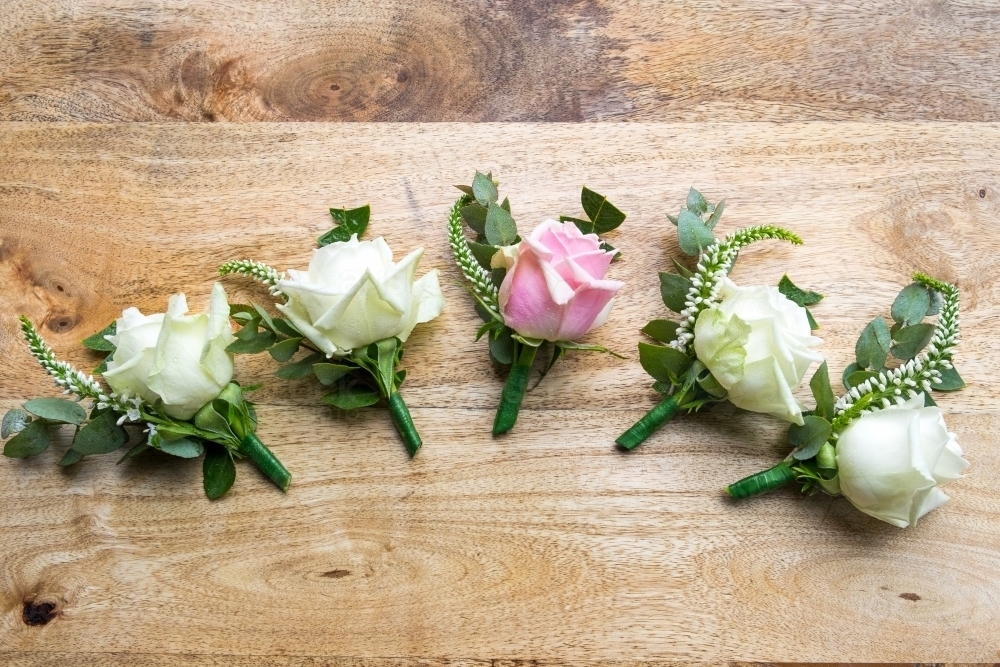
x=546, y=544
x=482, y=60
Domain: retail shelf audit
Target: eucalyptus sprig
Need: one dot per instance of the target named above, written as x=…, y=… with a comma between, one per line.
x=223, y=430
x=924, y=354
x=356, y=378
x=685, y=381
x=496, y=237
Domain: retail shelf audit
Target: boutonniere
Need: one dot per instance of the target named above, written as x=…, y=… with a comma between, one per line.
x=884, y=444
x=548, y=289
x=349, y=313
x=748, y=345
x=170, y=372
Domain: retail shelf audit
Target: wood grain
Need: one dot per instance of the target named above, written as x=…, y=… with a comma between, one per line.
x=547, y=544
x=441, y=60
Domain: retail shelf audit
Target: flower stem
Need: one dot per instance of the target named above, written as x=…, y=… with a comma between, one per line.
x=762, y=482
x=404, y=423
x=513, y=390
x=650, y=422
x=265, y=460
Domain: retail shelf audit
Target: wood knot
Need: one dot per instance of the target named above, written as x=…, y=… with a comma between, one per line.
x=912, y=597
x=60, y=322
x=982, y=193
x=336, y=574
x=37, y=613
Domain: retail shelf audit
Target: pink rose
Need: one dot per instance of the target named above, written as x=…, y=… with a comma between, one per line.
x=555, y=289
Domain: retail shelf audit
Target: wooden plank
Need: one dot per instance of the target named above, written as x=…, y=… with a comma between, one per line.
x=438, y=60
x=546, y=544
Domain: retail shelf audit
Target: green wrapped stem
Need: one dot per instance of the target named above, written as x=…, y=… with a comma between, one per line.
x=651, y=421
x=404, y=423
x=762, y=482
x=265, y=459
x=513, y=390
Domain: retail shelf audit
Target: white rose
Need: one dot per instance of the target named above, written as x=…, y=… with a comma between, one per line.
x=891, y=462
x=172, y=356
x=353, y=295
x=756, y=343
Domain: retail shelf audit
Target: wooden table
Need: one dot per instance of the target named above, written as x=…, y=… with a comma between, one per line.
x=868, y=129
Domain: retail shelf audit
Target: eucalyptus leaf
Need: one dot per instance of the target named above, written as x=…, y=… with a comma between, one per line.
x=809, y=437
x=352, y=397
x=911, y=304
x=135, y=451
x=848, y=372
x=692, y=233
x=664, y=331
x=602, y=213
x=218, y=471
x=100, y=435
x=696, y=202
x=13, y=422
x=823, y=392
x=681, y=269
x=911, y=339
x=663, y=363
x=713, y=219
x=70, y=457
x=330, y=373
x=500, y=227
x=474, y=216
x=950, y=380
x=467, y=189
x=98, y=341
x=286, y=349
x=873, y=345
x=183, y=448
x=484, y=189
x=936, y=302
x=858, y=377
x=33, y=439
x=796, y=294
x=674, y=290
x=502, y=347
x=483, y=252
x=57, y=410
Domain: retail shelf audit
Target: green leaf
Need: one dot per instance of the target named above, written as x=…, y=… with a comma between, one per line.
x=218, y=471
x=584, y=347
x=713, y=219
x=299, y=369
x=33, y=439
x=911, y=304
x=135, y=451
x=264, y=316
x=696, y=202
x=500, y=227
x=208, y=418
x=601, y=212
x=286, y=328
x=681, y=269
x=674, y=290
x=708, y=382
x=858, y=377
x=798, y=295
x=505, y=204
x=813, y=324
x=848, y=372
x=936, y=302
x=184, y=448
x=663, y=363
x=950, y=380
x=809, y=437
x=928, y=401
x=585, y=226
x=484, y=189
x=286, y=349
x=97, y=340
x=349, y=222
x=502, y=347
x=13, y=422
x=474, y=216
x=259, y=343
x=352, y=397
x=330, y=373
x=823, y=392
x=57, y=410
x=467, y=189
x=910, y=340
x=103, y=367
x=664, y=331
x=250, y=330
x=483, y=253
x=873, y=345
x=692, y=233
x=100, y=435
x=70, y=457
